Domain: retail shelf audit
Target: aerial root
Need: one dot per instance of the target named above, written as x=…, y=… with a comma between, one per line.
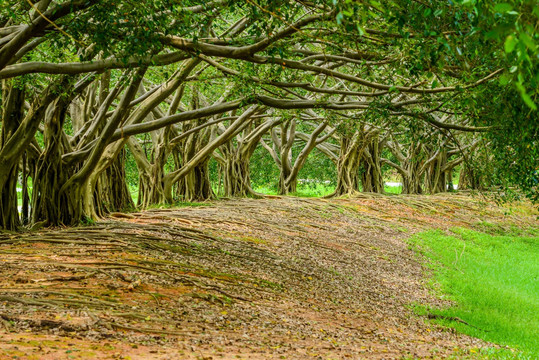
x=40, y=323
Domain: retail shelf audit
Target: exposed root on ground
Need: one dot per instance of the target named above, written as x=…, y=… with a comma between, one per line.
x=254, y=278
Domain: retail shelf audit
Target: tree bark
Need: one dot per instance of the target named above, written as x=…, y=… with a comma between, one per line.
x=435, y=177
x=235, y=159
x=13, y=102
x=112, y=193
x=47, y=203
x=79, y=188
x=371, y=172
x=196, y=185
x=237, y=177
x=348, y=179
x=469, y=178
x=202, y=155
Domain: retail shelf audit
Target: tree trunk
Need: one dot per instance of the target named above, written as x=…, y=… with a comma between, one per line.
x=371, y=176
x=47, y=204
x=196, y=185
x=13, y=101
x=290, y=186
x=237, y=177
x=25, y=213
x=348, y=179
x=151, y=176
x=112, y=193
x=288, y=133
x=469, y=178
x=80, y=188
x=435, y=177
x=151, y=187
x=289, y=173
x=235, y=160
x=201, y=155
x=9, y=213
x=411, y=183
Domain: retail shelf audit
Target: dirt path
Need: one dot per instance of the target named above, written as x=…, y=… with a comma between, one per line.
x=278, y=278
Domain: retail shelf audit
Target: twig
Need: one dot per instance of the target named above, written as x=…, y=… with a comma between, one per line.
x=452, y=318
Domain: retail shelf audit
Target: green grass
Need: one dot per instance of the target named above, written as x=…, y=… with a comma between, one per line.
x=19, y=195
x=133, y=191
x=494, y=281
x=303, y=190
x=317, y=190
x=268, y=190
x=313, y=190
x=179, y=204
x=393, y=189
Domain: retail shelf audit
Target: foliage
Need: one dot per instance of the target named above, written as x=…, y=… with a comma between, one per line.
x=446, y=40
x=264, y=172
x=408, y=85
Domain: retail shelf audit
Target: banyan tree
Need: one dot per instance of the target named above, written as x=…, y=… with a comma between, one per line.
x=89, y=86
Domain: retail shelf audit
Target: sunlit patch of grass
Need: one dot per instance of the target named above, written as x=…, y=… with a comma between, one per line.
x=267, y=190
x=302, y=190
x=313, y=190
x=133, y=191
x=317, y=190
x=179, y=204
x=493, y=280
x=392, y=189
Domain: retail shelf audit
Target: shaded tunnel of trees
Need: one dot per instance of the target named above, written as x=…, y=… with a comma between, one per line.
x=421, y=90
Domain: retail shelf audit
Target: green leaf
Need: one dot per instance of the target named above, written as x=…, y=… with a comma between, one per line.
x=526, y=39
x=510, y=43
x=504, y=79
x=528, y=100
x=503, y=8
x=339, y=18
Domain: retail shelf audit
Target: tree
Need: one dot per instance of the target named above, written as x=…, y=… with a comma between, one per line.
x=81, y=80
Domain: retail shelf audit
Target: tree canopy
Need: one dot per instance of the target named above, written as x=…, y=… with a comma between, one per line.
x=419, y=87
